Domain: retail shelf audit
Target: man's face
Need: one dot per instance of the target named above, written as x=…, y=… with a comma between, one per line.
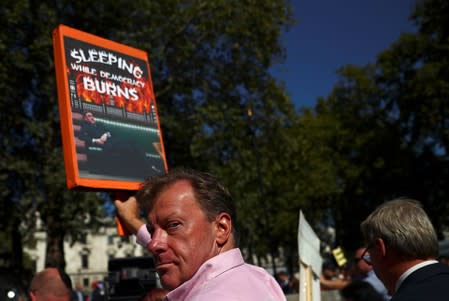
x=89, y=117
x=182, y=237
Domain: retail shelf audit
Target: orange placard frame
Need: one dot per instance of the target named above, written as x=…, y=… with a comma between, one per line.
x=113, y=82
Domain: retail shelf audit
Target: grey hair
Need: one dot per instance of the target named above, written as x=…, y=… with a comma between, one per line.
x=404, y=226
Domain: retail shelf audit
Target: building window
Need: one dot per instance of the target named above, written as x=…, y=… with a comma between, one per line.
x=86, y=282
x=84, y=261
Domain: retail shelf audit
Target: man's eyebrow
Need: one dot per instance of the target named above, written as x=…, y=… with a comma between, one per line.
x=173, y=215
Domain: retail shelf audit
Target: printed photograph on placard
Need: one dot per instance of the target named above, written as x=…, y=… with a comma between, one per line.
x=113, y=113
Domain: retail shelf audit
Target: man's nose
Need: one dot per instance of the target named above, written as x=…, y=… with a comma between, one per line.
x=158, y=241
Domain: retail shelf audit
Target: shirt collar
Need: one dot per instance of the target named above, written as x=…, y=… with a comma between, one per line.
x=208, y=270
x=411, y=270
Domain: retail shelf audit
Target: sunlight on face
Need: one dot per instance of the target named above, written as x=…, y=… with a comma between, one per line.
x=182, y=237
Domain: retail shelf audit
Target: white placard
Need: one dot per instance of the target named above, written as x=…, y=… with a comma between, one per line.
x=309, y=245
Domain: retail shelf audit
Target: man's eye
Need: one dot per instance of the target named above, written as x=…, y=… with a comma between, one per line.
x=173, y=225
x=150, y=229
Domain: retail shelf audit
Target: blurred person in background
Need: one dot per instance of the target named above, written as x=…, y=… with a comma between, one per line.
x=403, y=248
x=359, y=290
x=98, y=291
x=284, y=282
x=78, y=294
x=51, y=284
x=359, y=271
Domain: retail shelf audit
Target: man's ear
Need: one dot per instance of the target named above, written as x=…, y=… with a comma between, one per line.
x=223, y=225
x=380, y=245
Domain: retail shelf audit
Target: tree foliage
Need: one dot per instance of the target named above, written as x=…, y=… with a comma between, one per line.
x=414, y=76
x=381, y=133
x=206, y=56
x=391, y=123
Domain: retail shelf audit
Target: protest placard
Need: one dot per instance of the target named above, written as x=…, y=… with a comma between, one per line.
x=310, y=261
x=109, y=121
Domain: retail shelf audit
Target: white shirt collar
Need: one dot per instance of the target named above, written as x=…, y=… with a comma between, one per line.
x=411, y=270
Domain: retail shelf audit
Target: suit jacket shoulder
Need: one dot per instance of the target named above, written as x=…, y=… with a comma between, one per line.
x=427, y=283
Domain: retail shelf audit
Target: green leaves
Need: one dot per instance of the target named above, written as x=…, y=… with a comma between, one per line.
x=388, y=125
x=382, y=132
x=209, y=62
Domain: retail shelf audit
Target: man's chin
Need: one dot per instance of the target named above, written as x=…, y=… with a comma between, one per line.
x=167, y=281
x=168, y=285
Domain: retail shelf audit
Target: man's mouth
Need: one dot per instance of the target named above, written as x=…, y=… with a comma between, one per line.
x=163, y=266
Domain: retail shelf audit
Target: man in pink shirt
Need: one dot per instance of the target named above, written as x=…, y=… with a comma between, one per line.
x=192, y=234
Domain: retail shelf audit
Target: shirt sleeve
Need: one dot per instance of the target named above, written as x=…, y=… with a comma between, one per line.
x=143, y=236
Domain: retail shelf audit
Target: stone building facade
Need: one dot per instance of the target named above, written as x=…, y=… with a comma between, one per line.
x=87, y=262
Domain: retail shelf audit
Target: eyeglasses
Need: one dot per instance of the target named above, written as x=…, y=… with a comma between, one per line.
x=365, y=255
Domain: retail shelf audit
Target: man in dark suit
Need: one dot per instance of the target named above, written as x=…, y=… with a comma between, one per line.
x=403, y=247
x=94, y=134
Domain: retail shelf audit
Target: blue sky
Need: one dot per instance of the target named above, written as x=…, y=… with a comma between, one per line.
x=329, y=34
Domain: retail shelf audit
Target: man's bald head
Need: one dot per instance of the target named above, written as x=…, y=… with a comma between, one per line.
x=50, y=285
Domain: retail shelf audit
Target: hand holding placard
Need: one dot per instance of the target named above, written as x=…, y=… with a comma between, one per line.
x=127, y=214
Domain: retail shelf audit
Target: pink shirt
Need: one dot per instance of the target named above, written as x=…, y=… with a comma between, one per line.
x=225, y=277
